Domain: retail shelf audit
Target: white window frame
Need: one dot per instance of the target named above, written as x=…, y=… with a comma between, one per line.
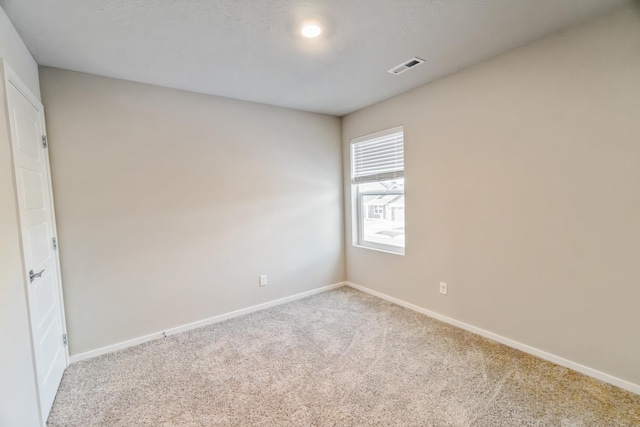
x=358, y=213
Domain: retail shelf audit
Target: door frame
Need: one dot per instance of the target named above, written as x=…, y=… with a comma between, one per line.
x=9, y=77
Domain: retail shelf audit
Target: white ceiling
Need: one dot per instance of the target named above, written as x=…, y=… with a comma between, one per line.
x=252, y=50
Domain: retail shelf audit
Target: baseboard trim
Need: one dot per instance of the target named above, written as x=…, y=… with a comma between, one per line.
x=626, y=385
x=172, y=331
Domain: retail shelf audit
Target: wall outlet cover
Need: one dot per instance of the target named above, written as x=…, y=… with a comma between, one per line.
x=443, y=288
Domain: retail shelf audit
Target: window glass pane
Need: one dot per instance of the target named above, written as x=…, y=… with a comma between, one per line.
x=394, y=184
x=382, y=214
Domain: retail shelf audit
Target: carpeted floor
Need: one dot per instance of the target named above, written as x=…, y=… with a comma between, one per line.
x=341, y=358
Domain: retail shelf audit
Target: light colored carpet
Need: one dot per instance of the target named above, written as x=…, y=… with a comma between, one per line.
x=341, y=358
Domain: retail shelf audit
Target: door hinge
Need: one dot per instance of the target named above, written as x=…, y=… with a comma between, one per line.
x=64, y=339
x=44, y=141
x=55, y=243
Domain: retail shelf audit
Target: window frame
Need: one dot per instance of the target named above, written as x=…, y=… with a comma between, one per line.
x=358, y=214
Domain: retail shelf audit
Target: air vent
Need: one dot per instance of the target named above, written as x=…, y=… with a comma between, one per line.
x=406, y=65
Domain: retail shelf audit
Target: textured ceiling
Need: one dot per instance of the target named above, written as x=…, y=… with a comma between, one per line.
x=252, y=50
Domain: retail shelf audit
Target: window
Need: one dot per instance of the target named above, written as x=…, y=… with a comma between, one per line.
x=377, y=178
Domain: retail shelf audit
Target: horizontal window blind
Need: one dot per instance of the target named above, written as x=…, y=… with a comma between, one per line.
x=378, y=157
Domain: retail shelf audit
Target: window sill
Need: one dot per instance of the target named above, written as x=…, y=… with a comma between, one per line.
x=400, y=251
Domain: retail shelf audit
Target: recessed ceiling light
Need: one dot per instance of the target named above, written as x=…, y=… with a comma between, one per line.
x=311, y=30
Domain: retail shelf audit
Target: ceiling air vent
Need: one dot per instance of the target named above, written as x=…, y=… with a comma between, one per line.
x=406, y=66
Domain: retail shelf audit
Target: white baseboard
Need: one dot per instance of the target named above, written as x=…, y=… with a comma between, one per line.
x=198, y=324
x=629, y=386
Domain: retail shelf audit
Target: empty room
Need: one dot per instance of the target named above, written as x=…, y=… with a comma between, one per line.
x=319, y=213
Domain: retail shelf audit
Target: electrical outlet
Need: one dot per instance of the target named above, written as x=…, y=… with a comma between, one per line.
x=443, y=288
x=263, y=280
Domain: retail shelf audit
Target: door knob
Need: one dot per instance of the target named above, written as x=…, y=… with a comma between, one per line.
x=32, y=275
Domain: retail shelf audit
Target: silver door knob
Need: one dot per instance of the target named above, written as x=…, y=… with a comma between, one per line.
x=32, y=275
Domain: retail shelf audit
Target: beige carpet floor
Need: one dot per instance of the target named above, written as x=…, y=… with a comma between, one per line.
x=340, y=358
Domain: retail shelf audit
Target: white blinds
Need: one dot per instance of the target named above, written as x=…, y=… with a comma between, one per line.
x=378, y=157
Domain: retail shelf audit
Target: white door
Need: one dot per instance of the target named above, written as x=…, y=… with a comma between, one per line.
x=33, y=187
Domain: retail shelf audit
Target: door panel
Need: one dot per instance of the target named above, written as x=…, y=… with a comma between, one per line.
x=48, y=346
x=26, y=133
x=39, y=244
x=33, y=191
x=45, y=299
x=37, y=226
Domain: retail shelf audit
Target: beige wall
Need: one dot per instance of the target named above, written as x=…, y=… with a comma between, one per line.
x=18, y=404
x=170, y=204
x=523, y=193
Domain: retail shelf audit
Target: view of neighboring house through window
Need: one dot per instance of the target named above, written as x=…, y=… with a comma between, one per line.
x=377, y=177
